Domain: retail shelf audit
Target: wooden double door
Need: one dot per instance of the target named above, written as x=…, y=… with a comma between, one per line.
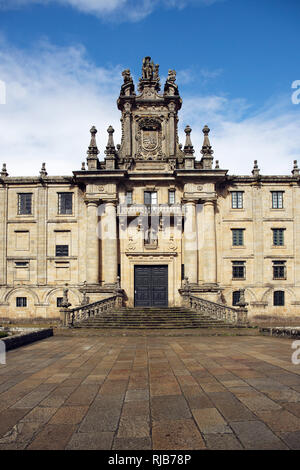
x=151, y=286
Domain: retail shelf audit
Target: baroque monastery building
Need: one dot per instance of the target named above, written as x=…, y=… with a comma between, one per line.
x=150, y=219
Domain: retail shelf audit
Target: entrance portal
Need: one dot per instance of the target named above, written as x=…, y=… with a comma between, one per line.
x=151, y=286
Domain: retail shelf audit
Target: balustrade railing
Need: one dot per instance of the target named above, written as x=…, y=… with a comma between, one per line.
x=217, y=311
x=95, y=309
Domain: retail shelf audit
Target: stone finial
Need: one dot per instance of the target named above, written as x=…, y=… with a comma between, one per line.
x=83, y=166
x=43, y=171
x=110, y=151
x=92, y=152
x=206, y=151
x=188, y=146
x=110, y=144
x=93, y=149
x=295, y=171
x=4, y=173
x=217, y=166
x=255, y=171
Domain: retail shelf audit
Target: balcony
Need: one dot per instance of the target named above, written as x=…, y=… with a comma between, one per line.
x=135, y=210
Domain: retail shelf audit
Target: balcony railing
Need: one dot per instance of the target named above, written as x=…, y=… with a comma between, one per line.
x=135, y=210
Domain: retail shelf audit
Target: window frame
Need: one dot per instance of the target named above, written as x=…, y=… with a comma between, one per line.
x=280, y=301
x=128, y=203
x=22, y=301
x=59, y=203
x=151, y=203
x=235, y=302
x=60, y=248
x=242, y=239
x=275, y=200
x=278, y=265
x=171, y=192
x=20, y=205
x=238, y=265
x=239, y=202
x=276, y=233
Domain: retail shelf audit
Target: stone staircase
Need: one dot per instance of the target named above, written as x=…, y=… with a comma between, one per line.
x=152, y=318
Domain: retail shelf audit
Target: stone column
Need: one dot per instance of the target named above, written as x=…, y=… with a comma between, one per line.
x=172, y=136
x=209, y=249
x=190, y=243
x=92, y=244
x=110, y=252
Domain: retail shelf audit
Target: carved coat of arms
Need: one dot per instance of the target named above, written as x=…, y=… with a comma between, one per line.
x=149, y=139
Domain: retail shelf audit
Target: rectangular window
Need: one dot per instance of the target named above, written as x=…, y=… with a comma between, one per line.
x=129, y=197
x=21, y=301
x=279, y=269
x=24, y=203
x=278, y=236
x=238, y=270
x=238, y=237
x=237, y=199
x=59, y=301
x=150, y=198
x=65, y=203
x=171, y=197
x=62, y=250
x=279, y=298
x=277, y=199
x=236, y=297
x=182, y=272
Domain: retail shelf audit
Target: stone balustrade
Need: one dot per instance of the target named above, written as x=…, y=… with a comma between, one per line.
x=99, y=308
x=142, y=209
x=236, y=316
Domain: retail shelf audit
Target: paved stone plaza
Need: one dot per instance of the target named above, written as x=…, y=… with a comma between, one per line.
x=151, y=393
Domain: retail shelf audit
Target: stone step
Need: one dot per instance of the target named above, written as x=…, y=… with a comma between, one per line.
x=152, y=318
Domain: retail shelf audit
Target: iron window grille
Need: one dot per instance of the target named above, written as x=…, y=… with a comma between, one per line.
x=278, y=299
x=21, y=301
x=62, y=250
x=24, y=204
x=65, y=203
x=237, y=199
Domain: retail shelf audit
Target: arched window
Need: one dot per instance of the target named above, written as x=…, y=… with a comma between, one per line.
x=236, y=297
x=278, y=297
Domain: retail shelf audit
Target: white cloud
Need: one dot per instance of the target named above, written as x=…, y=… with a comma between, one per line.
x=121, y=10
x=54, y=96
x=270, y=135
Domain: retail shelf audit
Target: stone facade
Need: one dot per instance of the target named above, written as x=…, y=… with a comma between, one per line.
x=149, y=202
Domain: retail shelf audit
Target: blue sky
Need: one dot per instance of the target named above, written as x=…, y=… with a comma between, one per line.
x=61, y=61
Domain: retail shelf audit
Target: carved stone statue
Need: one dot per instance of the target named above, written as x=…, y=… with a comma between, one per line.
x=127, y=76
x=65, y=301
x=151, y=236
x=147, y=69
x=170, y=86
x=128, y=85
